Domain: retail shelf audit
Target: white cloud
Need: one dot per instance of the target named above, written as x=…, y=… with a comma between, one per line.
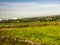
x=8, y=10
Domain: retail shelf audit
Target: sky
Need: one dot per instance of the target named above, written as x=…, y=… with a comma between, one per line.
x=28, y=8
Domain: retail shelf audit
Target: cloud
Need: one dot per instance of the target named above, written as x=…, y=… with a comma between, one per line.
x=31, y=9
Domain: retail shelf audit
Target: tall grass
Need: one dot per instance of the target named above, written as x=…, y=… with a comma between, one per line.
x=49, y=35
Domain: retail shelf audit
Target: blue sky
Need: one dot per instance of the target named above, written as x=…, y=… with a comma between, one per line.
x=28, y=8
x=41, y=1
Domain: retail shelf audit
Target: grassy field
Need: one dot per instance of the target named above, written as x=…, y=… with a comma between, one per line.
x=34, y=34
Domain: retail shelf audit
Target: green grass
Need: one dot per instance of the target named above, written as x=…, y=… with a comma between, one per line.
x=46, y=34
x=28, y=23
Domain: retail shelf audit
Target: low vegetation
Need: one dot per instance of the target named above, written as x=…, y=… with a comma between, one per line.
x=35, y=31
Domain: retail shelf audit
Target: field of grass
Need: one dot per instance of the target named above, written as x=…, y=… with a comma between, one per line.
x=41, y=35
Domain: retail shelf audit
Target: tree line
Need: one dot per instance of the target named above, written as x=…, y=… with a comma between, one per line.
x=33, y=19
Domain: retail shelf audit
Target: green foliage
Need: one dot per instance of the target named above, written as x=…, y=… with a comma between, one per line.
x=46, y=34
x=42, y=30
